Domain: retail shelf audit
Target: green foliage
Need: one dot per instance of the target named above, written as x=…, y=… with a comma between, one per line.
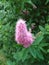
x=34, y=12
x=47, y=2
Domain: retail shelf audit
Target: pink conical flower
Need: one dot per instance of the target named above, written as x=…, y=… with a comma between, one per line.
x=22, y=35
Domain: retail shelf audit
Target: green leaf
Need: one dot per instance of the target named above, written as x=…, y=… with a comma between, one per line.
x=38, y=39
x=48, y=50
x=10, y=62
x=43, y=50
x=31, y=3
x=32, y=51
x=21, y=55
x=47, y=1
x=36, y=52
x=18, y=55
x=44, y=44
x=2, y=14
x=42, y=29
x=39, y=54
x=25, y=55
x=47, y=27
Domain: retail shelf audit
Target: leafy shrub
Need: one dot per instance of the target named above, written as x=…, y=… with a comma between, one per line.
x=36, y=13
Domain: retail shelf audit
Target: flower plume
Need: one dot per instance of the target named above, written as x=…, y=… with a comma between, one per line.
x=22, y=35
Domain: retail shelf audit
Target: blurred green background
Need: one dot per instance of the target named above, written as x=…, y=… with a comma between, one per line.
x=36, y=13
